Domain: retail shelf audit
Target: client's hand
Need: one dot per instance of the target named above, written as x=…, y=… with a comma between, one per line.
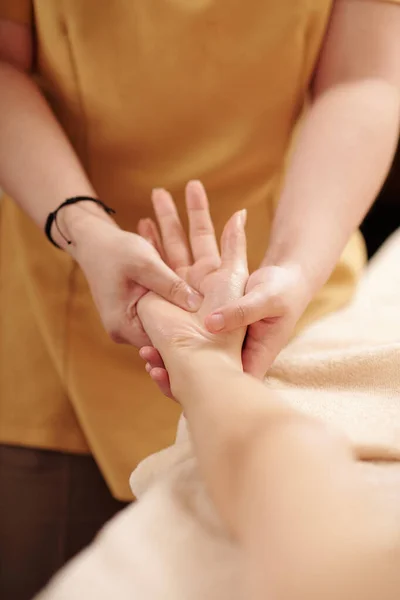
x=219, y=278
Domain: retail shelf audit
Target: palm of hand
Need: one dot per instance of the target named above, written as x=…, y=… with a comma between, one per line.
x=168, y=325
x=219, y=279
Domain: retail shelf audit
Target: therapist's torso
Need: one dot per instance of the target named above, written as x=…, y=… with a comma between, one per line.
x=151, y=93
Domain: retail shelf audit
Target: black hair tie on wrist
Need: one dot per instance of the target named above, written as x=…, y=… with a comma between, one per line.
x=52, y=218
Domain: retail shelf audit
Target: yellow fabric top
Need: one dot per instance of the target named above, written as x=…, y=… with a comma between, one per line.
x=151, y=94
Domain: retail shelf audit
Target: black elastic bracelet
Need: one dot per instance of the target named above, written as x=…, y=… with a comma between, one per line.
x=52, y=218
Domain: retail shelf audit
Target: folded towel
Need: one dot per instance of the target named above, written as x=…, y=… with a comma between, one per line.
x=344, y=369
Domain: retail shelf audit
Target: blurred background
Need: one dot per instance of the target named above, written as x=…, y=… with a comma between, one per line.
x=384, y=216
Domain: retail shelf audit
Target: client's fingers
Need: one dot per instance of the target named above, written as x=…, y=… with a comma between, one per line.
x=201, y=228
x=234, y=263
x=233, y=243
x=160, y=377
x=156, y=369
x=148, y=230
x=152, y=356
x=173, y=236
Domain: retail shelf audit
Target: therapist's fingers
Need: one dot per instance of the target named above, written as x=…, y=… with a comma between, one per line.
x=241, y=312
x=148, y=230
x=174, y=239
x=233, y=243
x=272, y=293
x=264, y=340
x=151, y=272
x=201, y=228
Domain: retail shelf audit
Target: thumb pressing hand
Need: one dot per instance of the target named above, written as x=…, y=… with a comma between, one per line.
x=275, y=299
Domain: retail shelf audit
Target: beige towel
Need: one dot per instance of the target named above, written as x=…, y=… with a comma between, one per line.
x=344, y=369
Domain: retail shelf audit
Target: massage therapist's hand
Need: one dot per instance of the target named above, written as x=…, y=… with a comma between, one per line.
x=219, y=278
x=275, y=298
x=120, y=268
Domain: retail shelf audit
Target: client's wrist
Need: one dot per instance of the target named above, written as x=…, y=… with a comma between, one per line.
x=189, y=368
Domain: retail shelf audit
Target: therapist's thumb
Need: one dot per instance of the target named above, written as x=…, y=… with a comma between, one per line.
x=253, y=307
x=157, y=277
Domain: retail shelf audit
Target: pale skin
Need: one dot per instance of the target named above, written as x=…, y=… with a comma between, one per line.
x=311, y=521
x=120, y=266
x=342, y=155
x=339, y=163
x=356, y=92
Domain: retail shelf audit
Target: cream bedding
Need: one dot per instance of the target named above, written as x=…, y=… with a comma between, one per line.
x=170, y=545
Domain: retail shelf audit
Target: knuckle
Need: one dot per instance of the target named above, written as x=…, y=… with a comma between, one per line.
x=177, y=256
x=177, y=288
x=116, y=336
x=176, y=265
x=174, y=234
x=114, y=330
x=203, y=230
x=241, y=271
x=278, y=304
x=145, y=261
x=208, y=265
x=240, y=314
x=144, y=253
x=214, y=263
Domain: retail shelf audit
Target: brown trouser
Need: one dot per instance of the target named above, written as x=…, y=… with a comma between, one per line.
x=51, y=506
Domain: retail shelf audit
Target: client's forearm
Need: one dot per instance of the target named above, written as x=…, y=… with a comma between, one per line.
x=235, y=422
x=286, y=487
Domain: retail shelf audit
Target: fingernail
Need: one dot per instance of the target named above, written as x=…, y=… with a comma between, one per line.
x=147, y=224
x=195, y=184
x=242, y=218
x=217, y=322
x=194, y=300
x=148, y=367
x=155, y=192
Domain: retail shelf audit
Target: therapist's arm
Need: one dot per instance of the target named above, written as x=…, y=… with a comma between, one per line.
x=341, y=156
x=39, y=169
x=38, y=166
x=347, y=141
